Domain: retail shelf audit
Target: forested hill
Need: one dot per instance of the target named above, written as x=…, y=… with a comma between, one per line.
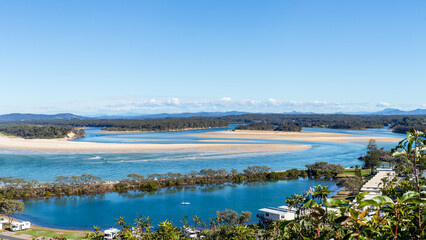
x=156, y=125
x=35, y=131
x=35, y=117
x=398, y=123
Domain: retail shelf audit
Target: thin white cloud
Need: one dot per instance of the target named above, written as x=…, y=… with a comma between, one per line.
x=139, y=105
x=273, y=101
x=173, y=101
x=383, y=105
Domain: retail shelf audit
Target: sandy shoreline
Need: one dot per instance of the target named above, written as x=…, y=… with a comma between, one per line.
x=294, y=136
x=65, y=145
x=33, y=226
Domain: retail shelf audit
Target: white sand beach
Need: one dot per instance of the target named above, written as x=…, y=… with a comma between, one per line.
x=293, y=136
x=8, y=142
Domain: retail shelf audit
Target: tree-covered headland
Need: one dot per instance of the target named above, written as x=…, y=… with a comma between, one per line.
x=40, y=131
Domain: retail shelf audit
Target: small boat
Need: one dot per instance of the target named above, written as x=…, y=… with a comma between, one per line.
x=185, y=203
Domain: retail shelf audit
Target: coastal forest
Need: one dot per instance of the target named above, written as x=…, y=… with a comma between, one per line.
x=271, y=122
x=36, y=131
x=398, y=123
x=291, y=127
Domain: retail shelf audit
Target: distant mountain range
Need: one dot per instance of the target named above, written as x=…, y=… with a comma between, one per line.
x=174, y=115
x=35, y=117
x=69, y=116
x=394, y=111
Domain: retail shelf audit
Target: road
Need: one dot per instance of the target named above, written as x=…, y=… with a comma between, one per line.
x=9, y=237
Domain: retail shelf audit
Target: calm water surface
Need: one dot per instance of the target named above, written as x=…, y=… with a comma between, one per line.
x=84, y=212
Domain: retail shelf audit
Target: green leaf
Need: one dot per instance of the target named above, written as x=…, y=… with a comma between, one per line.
x=284, y=224
x=415, y=200
x=331, y=202
x=408, y=195
x=360, y=196
x=382, y=200
x=354, y=213
x=367, y=203
x=398, y=154
x=310, y=203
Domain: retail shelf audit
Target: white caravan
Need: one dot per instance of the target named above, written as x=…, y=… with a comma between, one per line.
x=111, y=233
x=18, y=226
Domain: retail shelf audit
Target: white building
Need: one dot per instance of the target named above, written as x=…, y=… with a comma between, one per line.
x=279, y=213
x=111, y=233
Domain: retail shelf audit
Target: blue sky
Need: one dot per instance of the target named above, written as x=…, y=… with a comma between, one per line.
x=93, y=57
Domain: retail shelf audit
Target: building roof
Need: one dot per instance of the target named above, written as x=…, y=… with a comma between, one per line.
x=287, y=208
x=278, y=211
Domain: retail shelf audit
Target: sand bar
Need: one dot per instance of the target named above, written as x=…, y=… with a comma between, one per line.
x=217, y=140
x=294, y=136
x=66, y=145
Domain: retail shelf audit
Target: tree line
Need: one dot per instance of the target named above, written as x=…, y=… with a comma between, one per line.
x=155, y=125
x=40, y=131
x=285, y=122
x=397, y=123
x=87, y=184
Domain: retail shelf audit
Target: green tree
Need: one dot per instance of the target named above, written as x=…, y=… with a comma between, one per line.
x=372, y=160
x=11, y=207
x=358, y=172
x=413, y=148
x=167, y=231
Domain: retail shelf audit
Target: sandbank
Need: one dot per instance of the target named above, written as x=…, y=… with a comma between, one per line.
x=8, y=142
x=218, y=140
x=294, y=136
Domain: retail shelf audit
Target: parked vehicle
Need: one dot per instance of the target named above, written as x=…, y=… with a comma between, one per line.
x=111, y=233
x=191, y=233
x=19, y=226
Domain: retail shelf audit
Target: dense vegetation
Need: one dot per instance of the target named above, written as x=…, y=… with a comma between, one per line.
x=291, y=127
x=285, y=122
x=410, y=122
x=339, y=121
x=36, y=131
x=257, y=126
x=86, y=184
x=157, y=125
x=270, y=127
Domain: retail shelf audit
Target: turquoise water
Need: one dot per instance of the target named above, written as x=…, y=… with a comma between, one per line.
x=33, y=165
x=84, y=212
